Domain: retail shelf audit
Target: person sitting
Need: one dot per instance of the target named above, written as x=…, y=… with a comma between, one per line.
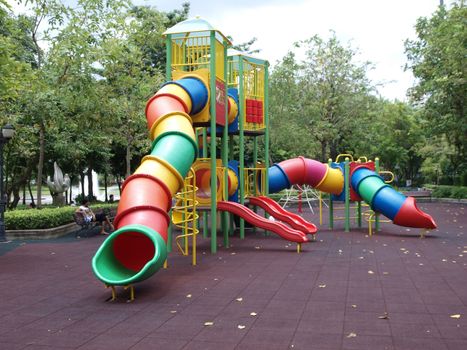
x=89, y=216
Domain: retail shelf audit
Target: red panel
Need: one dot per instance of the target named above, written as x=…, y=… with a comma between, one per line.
x=133, y=250
x=354, y=166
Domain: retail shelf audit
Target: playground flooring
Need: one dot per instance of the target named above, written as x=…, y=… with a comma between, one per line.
x=393, y=290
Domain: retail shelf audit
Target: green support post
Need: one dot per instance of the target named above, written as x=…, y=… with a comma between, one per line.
x=168, y=66
x=377, y=223
x=347, y=194
x=225, y=154
x=255, y=161
x=212, y=112
x=266, y=125
x=241, y=119
x=331, y=204
x=231, y=156
x=205, y=155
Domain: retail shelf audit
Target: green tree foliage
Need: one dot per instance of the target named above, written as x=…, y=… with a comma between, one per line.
x=437, y=59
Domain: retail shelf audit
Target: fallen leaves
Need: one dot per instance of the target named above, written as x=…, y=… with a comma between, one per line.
x=209, y=323
x=351, y=335
x=456, y=316
x=384, y=316
x=371, y=272
x=239, y=299
x=240, y=326
x=188, y=295
x=253, y=314
x=321, y=286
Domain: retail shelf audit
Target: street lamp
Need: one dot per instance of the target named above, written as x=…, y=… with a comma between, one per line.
x=8, y=131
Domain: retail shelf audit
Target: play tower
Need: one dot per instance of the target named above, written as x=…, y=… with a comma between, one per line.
x=215, y=100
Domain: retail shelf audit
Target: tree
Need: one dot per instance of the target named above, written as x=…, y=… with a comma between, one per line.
x=437, y=60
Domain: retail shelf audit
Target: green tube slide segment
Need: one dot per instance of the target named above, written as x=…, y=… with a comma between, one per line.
x=177, y=149
x=110, y=270
x=369, y=187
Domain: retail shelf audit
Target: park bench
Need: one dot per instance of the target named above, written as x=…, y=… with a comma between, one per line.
x=86, y=227
x=419, y=194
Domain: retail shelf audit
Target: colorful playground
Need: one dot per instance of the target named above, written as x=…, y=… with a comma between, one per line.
x=204, y=256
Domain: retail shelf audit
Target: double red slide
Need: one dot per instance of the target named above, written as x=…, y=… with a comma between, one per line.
x=289, y=234
x=274, y=209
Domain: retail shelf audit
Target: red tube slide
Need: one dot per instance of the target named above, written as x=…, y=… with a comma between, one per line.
x=272, y=208
x=250, y=216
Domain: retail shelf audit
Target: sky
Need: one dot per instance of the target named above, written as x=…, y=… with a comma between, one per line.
x=377, y=29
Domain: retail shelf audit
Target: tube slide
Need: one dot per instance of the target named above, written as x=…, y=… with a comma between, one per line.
x=250, y=216
x=137, y=249
x=381, y=197
x=274, y=209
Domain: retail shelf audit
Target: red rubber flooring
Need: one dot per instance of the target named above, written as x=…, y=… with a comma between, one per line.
x=344, y=291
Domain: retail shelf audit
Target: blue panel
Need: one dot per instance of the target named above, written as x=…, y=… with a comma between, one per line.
x=278, y=180
x=341, y=196
x=388, y=201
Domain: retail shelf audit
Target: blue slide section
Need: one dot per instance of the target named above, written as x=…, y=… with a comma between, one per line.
x=278, y=180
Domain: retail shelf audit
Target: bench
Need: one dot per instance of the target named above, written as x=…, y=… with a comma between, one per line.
x=86, y=227
x=419, y=194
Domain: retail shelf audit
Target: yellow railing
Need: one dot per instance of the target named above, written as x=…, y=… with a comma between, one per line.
x=193, y=52
x=251, y=177
x=185, y=217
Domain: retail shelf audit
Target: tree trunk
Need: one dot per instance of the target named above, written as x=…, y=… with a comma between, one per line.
x=119, y=184
x=70, y=190
x=90, y=192
x=16, y=198
x=81, y=176
x=40, y=165
x=323, y=151
x=33, y=204
x=24, y=194
x=128, y=162
x=105, y=187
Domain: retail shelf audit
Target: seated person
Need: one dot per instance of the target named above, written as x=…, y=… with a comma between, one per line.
x=89, y=216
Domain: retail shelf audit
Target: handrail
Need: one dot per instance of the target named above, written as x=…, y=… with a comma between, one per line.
x=344, y=155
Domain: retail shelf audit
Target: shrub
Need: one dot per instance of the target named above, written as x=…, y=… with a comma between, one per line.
x=45, y=218
x=445, y=191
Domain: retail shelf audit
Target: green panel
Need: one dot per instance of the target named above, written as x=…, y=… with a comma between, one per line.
x=107, y=269
x=369, y=186
x=176, y=149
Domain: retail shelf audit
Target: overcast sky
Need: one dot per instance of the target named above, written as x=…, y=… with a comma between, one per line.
x=377, y=28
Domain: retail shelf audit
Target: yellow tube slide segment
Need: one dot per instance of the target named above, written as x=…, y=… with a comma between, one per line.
x=332, y=182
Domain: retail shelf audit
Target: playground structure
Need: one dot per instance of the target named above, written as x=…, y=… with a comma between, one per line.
x=212, y=93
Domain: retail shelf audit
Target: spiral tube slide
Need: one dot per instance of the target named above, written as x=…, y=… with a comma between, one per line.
x=299, y=171
x=137, y=249
x=382, y=198
x=275, y=210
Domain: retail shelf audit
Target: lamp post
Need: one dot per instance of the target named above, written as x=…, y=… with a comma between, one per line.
x=8, y=131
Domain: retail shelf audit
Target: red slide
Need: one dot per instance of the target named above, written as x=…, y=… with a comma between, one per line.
x=249, y=215
x=274, y=209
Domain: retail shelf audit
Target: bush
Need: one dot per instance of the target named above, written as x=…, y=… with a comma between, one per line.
x=444, y=191
x=45, y=218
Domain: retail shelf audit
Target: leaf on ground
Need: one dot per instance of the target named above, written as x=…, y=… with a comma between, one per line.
x=444, y=260
x=384, y=316
x=233, y=253
x=351, y=335
x=370, y=272
x=188, y=295
x=173, y=311
x=239, y=299
x=456, y=316
x=257, y=247
x=240, y=326
x=322, y=286
x=209, y=323
x=385, y=273
x=253, y=314
x=354, y=306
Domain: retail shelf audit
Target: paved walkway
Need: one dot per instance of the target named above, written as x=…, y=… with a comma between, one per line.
x=344, y=291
